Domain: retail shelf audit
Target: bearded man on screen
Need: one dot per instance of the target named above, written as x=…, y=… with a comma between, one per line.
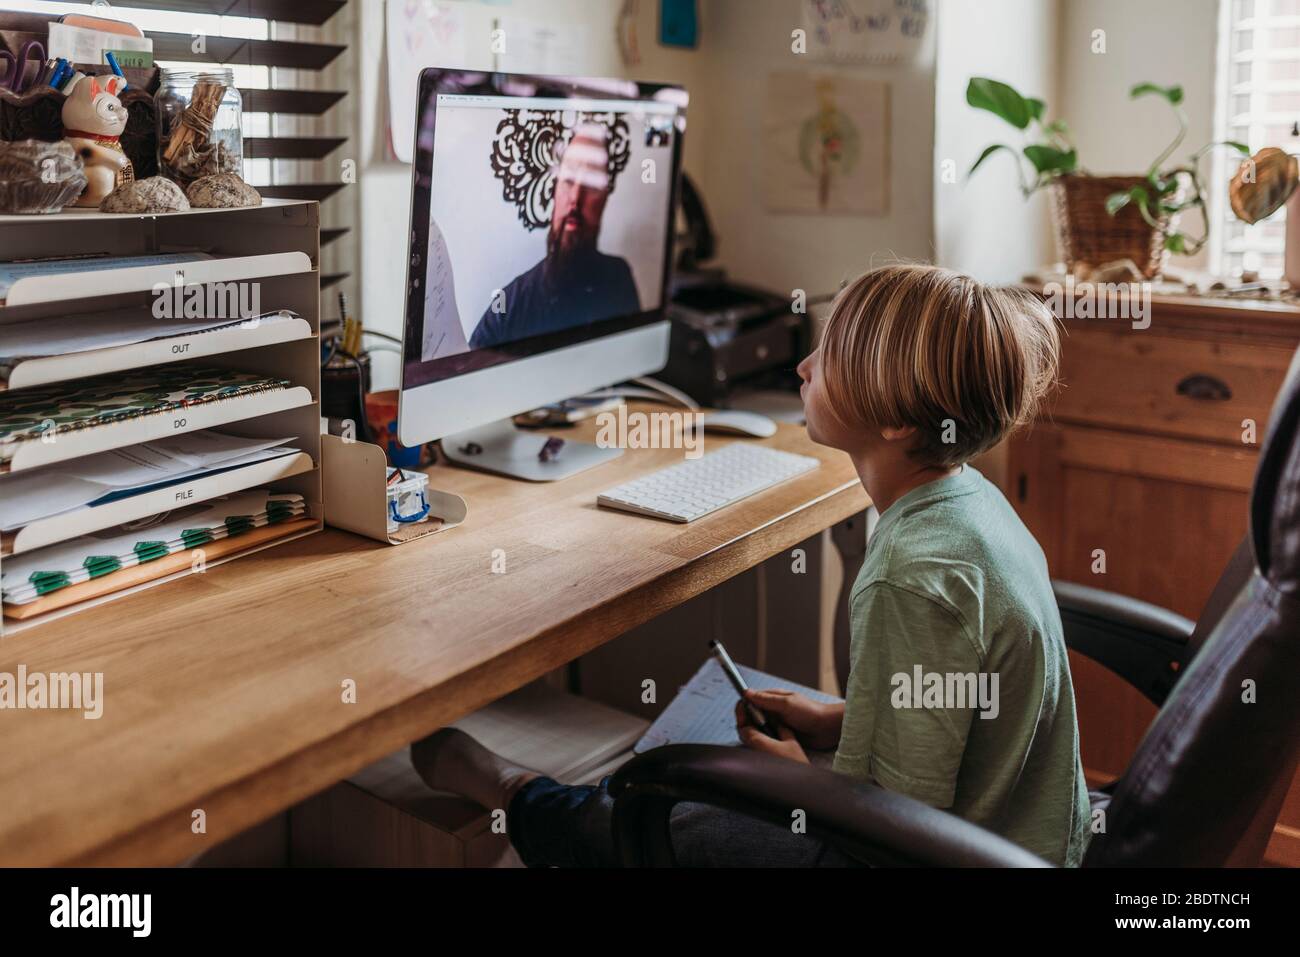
x=575, y=284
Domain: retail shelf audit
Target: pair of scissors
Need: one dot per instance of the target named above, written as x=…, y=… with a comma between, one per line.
x=15, y=73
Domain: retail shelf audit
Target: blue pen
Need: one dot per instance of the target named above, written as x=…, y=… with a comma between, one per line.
x=112, y=61
x=57, y=76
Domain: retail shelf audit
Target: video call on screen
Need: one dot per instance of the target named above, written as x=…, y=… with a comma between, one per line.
x=544, y=216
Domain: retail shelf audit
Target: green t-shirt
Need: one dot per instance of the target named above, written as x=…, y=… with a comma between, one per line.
x=959, y=689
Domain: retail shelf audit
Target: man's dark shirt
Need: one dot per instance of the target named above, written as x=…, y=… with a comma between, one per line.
x=602, y=289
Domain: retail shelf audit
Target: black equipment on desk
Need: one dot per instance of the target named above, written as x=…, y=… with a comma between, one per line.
x=725, y=334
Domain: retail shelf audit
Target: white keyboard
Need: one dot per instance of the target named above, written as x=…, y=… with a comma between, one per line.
x=696, y=487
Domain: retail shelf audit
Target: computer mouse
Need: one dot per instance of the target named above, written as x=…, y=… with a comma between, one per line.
x=739, y=422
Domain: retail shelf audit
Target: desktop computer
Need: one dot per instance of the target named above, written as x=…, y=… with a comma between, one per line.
x=542, y=218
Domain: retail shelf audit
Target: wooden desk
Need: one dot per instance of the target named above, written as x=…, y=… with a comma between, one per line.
x=223, y=691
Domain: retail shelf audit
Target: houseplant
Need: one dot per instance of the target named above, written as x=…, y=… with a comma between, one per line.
x=1101, y=219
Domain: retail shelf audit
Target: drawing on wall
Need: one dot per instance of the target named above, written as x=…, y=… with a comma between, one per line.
x=420, y=33
x=826, y=145
x=879, y=31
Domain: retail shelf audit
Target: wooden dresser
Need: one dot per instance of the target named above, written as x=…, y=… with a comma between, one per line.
x=1137, y=479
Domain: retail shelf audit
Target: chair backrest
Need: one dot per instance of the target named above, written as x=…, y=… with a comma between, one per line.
x=1227, y=740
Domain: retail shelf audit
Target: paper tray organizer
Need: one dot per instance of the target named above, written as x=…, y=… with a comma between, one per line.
x=355, y=476
x=276, y=244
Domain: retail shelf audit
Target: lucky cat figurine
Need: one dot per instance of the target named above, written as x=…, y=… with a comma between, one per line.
x=93, y=121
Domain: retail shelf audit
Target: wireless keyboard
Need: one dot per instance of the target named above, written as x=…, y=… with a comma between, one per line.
x=696, y=487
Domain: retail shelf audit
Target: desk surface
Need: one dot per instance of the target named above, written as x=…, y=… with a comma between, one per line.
x=223, y=691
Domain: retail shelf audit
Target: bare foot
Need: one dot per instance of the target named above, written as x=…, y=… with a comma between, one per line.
x=450, y=760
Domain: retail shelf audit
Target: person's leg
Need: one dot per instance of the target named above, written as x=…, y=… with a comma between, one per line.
x=557, y=825
x=549, y=824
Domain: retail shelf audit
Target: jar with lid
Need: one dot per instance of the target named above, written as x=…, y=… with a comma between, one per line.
x=200, y=129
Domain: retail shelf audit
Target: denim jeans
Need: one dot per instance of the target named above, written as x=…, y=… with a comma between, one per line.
x=558, y=825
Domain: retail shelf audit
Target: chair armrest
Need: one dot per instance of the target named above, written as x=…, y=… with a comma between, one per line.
x=1144, y=644
x=864, y=821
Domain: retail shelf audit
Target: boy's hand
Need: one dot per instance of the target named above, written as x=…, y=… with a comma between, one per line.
x=815, y=723
x=787, y=747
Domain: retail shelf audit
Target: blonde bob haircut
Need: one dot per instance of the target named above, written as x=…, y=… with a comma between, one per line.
x=964, y=363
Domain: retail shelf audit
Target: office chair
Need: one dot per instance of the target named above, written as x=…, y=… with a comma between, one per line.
x=1204, y=787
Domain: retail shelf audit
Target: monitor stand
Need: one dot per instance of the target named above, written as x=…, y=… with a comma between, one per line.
x=506, y=450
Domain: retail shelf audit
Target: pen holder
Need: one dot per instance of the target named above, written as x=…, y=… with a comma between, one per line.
x=358, y=497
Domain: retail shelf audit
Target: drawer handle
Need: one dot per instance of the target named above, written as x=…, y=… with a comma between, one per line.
x=1206, y=388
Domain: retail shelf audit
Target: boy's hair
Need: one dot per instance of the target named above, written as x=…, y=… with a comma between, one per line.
x=966, y=364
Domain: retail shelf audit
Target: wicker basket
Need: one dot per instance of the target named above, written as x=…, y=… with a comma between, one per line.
x=1088, y=234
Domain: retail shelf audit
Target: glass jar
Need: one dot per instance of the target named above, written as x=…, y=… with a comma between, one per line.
x=200, y=128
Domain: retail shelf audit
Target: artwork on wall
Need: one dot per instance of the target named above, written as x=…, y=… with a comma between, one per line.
x=877, y=31
x=419, y=34
x=826, y=145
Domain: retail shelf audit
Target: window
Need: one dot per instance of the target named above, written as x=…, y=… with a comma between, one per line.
x=1259, y=105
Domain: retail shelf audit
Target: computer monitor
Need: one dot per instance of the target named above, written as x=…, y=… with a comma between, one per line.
x=541, y=241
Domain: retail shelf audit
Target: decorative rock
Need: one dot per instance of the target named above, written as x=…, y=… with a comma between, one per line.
x=153, y=195
x=38, y=177
x=222, y=191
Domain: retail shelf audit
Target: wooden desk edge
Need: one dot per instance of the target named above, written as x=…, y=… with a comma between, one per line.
x=235, y=807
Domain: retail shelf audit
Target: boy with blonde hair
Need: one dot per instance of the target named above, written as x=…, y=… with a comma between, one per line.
x=959, y=689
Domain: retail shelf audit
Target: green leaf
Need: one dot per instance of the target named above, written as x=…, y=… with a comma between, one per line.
x=999, y=99
x=1176, y=243
x=989, y=151
x=1117, y=201
x=1036, y=107
x=1241, y=148
x=1174, y=94
x=1048, y=159
x=1056, y=126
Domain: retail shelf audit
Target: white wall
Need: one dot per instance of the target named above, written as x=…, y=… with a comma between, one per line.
x=1161, y=41
x=982, y=225
x=747, y=40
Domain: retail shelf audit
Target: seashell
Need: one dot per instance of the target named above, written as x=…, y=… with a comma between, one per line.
x=222, y=191
x=1263, y=183
x=153, y=195
x=39, y=177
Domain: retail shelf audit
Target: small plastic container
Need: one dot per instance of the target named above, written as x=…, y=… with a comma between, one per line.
x=408, y=499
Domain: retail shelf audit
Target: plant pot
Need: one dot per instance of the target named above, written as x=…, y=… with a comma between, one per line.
x=1086, y=233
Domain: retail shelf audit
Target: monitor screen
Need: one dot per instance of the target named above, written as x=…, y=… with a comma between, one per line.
x=542, y=216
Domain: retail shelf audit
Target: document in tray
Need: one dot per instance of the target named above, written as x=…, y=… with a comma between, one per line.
x=28, y=497
x=28, y=577
x=47, y=412
x=11, y=272
x=90, y=332
x=704, y=711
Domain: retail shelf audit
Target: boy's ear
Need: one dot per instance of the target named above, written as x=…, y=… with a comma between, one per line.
x=897, y=433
